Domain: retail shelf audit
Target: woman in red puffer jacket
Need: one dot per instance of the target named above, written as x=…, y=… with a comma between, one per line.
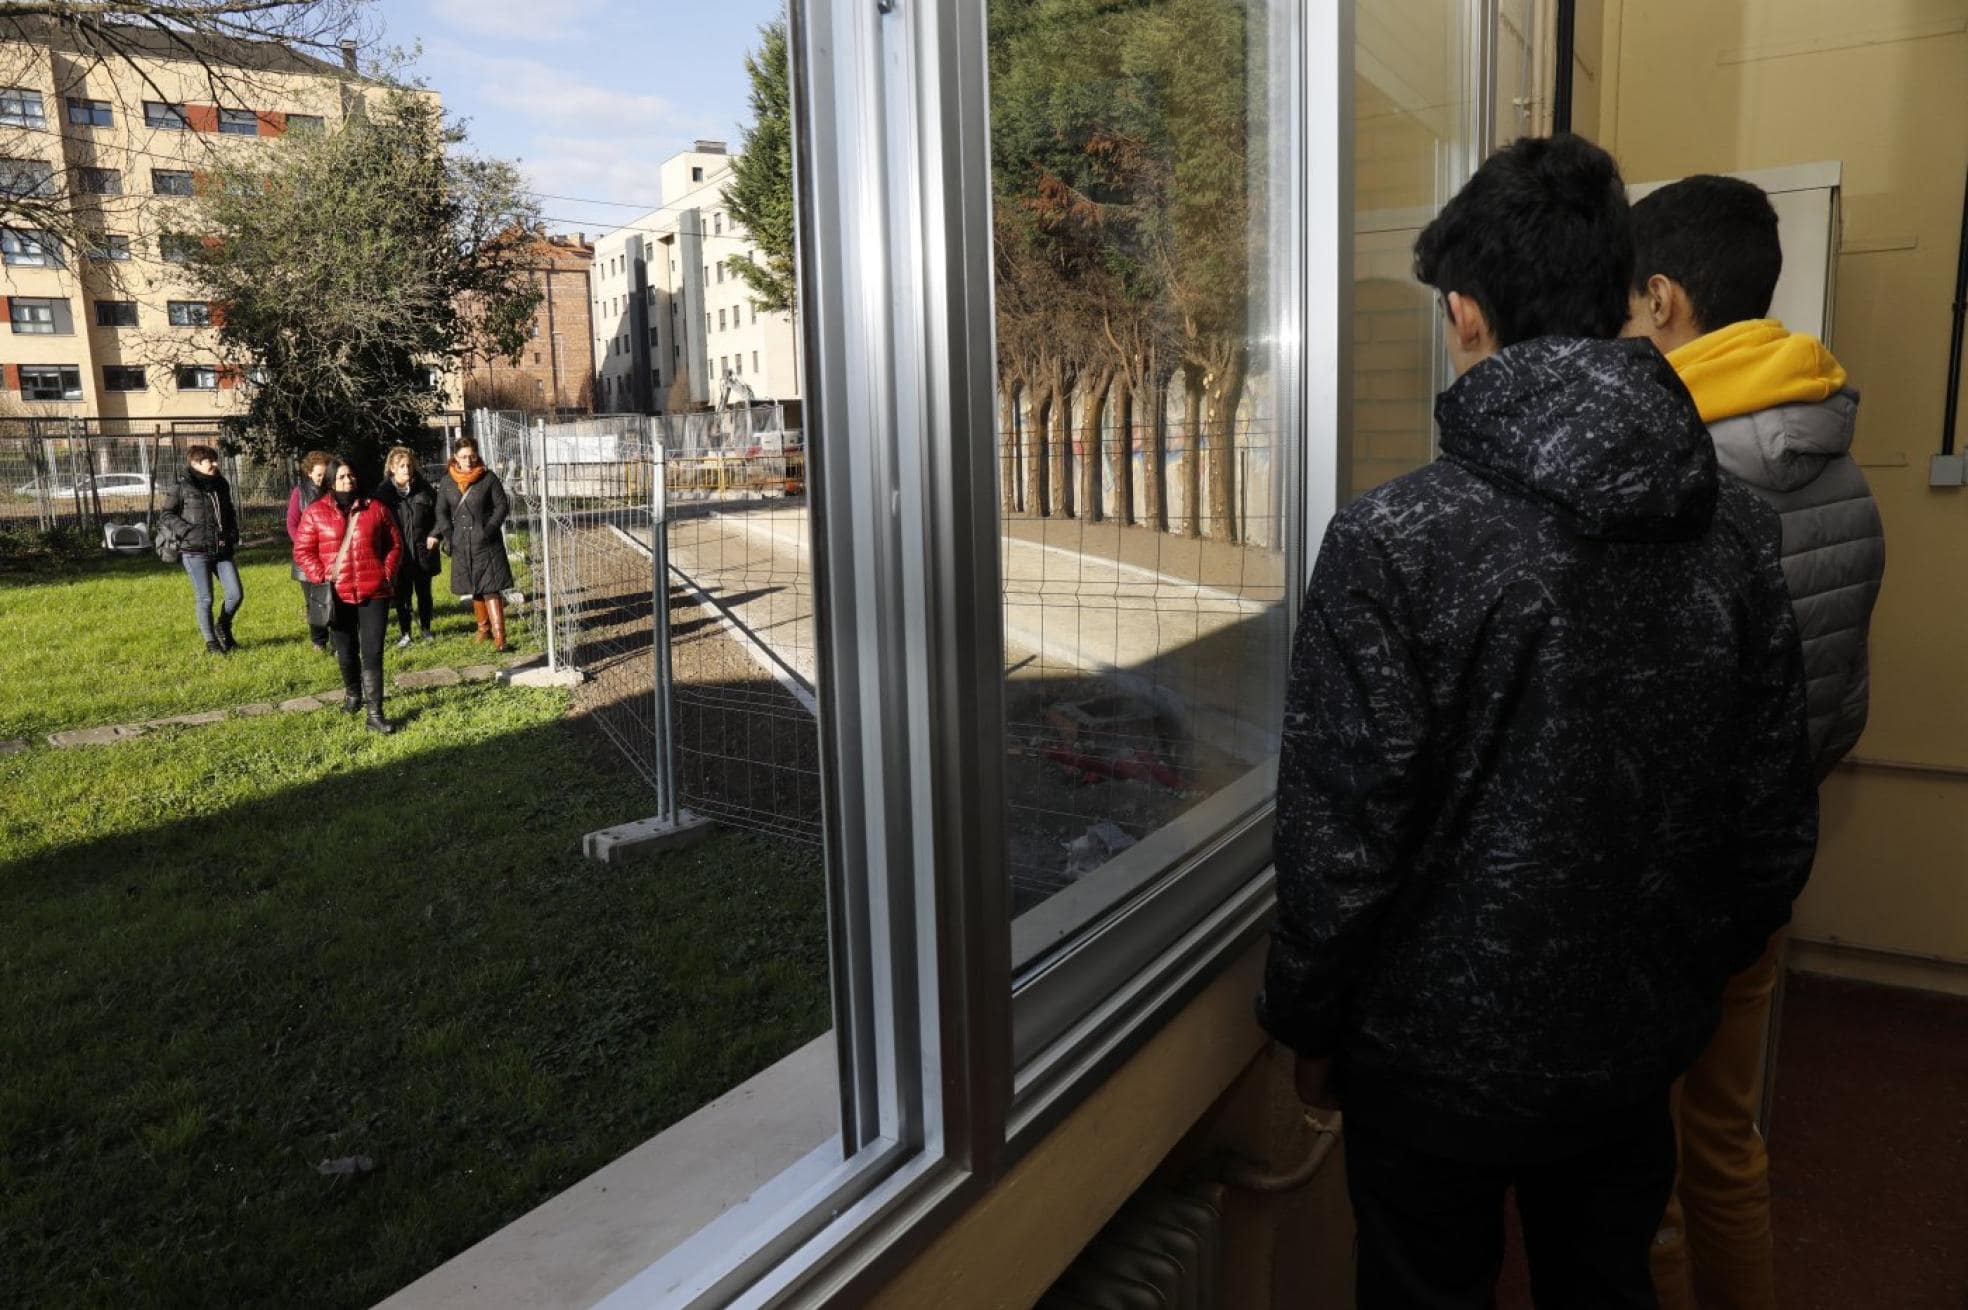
x=361, y=569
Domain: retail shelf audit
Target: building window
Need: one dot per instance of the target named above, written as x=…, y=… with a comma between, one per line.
x=116, y=313
x=707, y=322
x=124, y=377
x=738, y=365
x=652, y=338
x=110, y=247
x=190, y=313
x=313, y=124
x=32, y=317
x=177, y=248
x=720, y=320
x=29, y=249
x=26, y=177
x=165, y=114
x=755, y=311
x=656, y=378
x=21, y=107
x=755, y=363
x=717, y=225
x=170, y=182
x=50, y=382
x=99, y=181
x=239, y=122
x=720, y=270
x=724, y=366
x=197, y=377
x=696, y=173
x=90, y=113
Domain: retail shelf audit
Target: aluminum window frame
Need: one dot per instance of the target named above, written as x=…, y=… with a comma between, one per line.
x=166, y=116
x=40, y=316
x=15, y=111
x=164, y=182
x=238, y=122
x=894, y=235
x=118, y=386
x=67, y=385
x=188, y=313
x=84, y=111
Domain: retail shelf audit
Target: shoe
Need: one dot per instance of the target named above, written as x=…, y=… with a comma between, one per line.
x=212, y=647
x=495, y=609
x=226, y=638
x=403, y=642
x=372, y=691
x=351, y=701
x=479, y=612
x=321, y=646
x=427, y=635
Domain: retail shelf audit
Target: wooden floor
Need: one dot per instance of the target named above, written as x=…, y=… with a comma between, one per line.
x=1868, y=1152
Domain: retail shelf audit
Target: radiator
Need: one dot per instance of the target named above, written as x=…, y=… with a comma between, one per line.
x=1163, y=1251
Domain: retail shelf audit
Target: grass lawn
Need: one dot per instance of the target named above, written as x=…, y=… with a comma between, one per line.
x=114, y=639
x=231, y=953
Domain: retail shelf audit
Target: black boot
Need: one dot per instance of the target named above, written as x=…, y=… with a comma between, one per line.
x=212, y=646
x=351, y=679
x=372, y=691
x=226, y=638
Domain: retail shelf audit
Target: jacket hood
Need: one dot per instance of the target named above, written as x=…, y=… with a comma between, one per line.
x=1785, y=447
x=1753, y=365
x=1601, y=433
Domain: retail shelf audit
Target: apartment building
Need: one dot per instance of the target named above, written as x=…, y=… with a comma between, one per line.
x=107, y=326
x=555, y=368
x=667, y=303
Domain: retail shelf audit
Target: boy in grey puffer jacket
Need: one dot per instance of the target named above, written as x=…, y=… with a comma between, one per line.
x=1781, y=414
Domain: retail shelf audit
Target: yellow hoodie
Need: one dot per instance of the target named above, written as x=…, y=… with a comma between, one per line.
x=1753, y=365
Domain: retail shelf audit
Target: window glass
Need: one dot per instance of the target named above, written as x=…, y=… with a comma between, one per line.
x=50, y=382
x=239, y=122
x=29, y=249
x=313, y=123
x=123, y=377
x=90, y=113
x=170, y=182
x=110, y=247
x=32, y=317
x=164, y=114
x=116, y=313
x=26, y=177
x=21, y=107
x=99, y=181
x=189, y=313
x=177, y=248
x=1142, y=554
x=197, y=377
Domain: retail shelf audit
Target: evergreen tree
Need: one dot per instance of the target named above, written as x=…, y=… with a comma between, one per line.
x=760, y=196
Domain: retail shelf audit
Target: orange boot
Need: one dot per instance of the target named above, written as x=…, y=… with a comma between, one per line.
x=484, y=620
x=495, y=607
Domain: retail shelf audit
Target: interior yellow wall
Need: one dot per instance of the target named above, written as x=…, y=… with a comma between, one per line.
x=1725, y=85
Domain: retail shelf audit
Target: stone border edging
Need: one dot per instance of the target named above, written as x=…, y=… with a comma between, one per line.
x=109, y=734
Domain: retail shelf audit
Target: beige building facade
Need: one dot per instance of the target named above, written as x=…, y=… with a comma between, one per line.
x=101, y=321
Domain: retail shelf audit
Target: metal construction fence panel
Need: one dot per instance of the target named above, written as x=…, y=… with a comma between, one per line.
x=676, y=584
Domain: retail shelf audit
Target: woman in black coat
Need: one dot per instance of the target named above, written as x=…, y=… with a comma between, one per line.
x=414, y=502
x=200, y=512
x=471, y=508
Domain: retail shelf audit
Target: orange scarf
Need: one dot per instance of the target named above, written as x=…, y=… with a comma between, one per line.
x=463, y=479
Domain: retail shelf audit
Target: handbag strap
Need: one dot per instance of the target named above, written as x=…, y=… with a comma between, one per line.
x=348, y=536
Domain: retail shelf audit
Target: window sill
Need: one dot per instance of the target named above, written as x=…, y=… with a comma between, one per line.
x=584, y=1243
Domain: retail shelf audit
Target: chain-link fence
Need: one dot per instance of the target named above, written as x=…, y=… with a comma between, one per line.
x=671, y=571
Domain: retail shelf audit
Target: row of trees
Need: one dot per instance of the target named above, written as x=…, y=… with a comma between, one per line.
x=1124, y=165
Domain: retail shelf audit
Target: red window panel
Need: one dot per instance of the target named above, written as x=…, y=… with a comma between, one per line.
x=202, y=118
x=13, y=377
x=216, y=310
x=272, y=122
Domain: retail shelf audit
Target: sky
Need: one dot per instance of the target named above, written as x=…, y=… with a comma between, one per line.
x=590, y=97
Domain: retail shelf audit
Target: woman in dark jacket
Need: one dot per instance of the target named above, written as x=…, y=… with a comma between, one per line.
x=414, y=503
x=361, y=574
x=471, y=508
x=314, y=474
x=200, y=511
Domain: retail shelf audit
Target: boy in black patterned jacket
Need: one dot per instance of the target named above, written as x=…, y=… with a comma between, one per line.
x=1544, y=780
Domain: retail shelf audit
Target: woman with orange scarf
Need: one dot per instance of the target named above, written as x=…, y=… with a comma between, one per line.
x=471, y=508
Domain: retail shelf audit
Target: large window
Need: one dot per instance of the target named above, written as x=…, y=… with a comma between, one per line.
x=21, y=107
x=164, y=114
x=124, y=377
x=171, y=182
x=189, y=313
x=26, y=177
x=99, y=181
x=116, y=313
x=39, y=317
x=50, y=382
x=177, y=247
x=197, y=377
x=29, y=249
x=110, y=247
x=239, y=122
x=309, y=123
x=90, y=113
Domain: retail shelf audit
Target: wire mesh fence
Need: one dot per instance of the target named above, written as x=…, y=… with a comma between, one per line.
x=675, y=580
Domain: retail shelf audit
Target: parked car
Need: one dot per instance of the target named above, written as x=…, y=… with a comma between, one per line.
x=103, y=484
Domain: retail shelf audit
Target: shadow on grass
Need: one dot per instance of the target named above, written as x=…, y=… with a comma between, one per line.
x=233, y=953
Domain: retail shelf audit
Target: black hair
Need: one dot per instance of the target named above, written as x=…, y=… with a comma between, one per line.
x=1540, y=239
x=335, y=467
x=1717, y=237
